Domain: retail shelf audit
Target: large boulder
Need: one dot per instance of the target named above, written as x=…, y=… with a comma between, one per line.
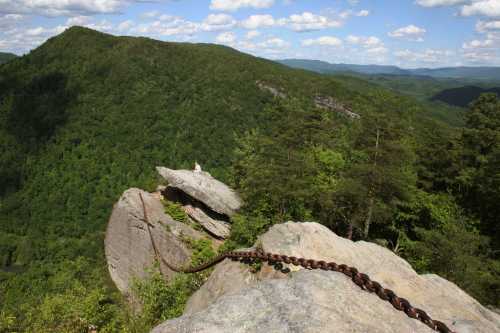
x=203, y=187
x=236, y=300
x=128, y=247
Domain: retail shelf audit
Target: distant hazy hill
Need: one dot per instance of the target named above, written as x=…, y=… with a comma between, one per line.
x=326, y=67
x=480, y=73
x=462, y=96
x=4, y=57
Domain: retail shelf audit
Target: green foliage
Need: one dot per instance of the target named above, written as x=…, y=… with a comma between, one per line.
x=175, y=211
x=162, y=300
x=457, y=252
x=245, y=229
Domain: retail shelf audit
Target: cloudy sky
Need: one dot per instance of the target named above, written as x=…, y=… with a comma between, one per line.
x=408, y=33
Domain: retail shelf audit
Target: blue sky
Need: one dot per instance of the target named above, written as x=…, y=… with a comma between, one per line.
x=407, y=33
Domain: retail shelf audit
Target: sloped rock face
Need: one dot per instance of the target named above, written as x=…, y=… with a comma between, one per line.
x=235, y=300
x=216, y=227
x=204, y=188
x=329, y=103
x=128, y=248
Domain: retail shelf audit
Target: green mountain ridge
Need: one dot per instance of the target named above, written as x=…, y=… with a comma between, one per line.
x=4, y=57
x=88, y=115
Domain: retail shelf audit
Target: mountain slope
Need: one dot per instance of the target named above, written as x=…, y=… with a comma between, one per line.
x=4, y=57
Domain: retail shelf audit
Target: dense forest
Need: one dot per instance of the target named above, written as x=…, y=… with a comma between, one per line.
x=87, y=115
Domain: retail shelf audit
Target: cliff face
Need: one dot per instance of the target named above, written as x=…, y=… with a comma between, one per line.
x=236, y=300
x=207, y=205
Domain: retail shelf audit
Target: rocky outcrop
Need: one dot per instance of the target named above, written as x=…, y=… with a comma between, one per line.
x=218, y=228
x=329, y=103
x=268, y=88
x=204, y=188
x=128, y=248
x=236, y=300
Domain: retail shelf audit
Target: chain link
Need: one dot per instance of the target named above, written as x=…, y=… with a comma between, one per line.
x=360, y=279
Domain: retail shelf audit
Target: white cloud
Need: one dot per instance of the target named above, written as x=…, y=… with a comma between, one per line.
x=428, y=56
x=232, y=5
x=252, y=34
x=482, y=7
x=410, y=32
x=274, y=43
x=371, y=44
x=226, y=38
x=41, y=31
x=258, y=21
x=481, y=57
x=218, y=22
x=323, y=41
x=478, y=44
x=78, y=20
x=439, y=3
x=377, y=50
x=125, y=25
x=309, y=22
x=62, y=7
x=363, y=12
x=483, y=26
x=371, y=41
x=167, y=25
x=303, y=22
x=149, y=15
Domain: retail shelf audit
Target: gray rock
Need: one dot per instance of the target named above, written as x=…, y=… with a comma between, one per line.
x=308, y=301
x=203, y=187
x=329, y=103
x=274, y=91
x=128, y=248
x=233, y=299
x=216, y=227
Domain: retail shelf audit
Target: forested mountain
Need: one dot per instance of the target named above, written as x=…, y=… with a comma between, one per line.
x=479, y=73
x=462, y=96
x=4, y=57
x=87, y=115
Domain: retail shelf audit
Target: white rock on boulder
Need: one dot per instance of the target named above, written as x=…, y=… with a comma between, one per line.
x=203, y=187
x=235, y=300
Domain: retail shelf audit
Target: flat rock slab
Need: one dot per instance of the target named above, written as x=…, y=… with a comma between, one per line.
x=308, y=301
x=128, y=248
x=218, y=228
x=204, y=188
x=232, y=282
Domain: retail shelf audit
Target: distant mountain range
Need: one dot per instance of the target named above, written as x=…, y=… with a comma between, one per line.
x=4, y=57
x=478, y=73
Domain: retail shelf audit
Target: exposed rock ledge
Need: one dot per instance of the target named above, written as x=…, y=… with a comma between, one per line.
x=203, y=187
x=128, y=246
x=235, y=300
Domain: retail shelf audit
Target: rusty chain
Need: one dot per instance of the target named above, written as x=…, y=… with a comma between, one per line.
x=360, y=279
